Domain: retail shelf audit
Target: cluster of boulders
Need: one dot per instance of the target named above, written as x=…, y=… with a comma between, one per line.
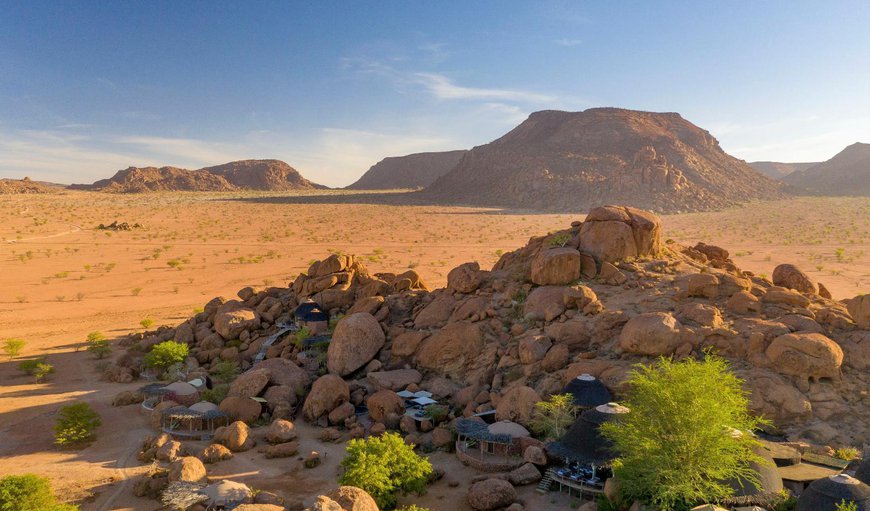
x=596, y=298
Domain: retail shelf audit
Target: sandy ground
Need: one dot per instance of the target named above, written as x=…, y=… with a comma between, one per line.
x=60, y=279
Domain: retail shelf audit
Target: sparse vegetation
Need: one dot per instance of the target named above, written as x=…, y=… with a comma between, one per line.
x=98, y=345
x=146, y=323
x=12, y=347
x=76, y=424
x=552, y=417
x=847, y=453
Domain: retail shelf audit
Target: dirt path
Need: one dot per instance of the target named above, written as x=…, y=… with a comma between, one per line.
x=75, y=229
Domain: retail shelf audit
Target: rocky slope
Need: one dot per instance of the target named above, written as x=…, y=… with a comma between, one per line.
x=578, y=160
x=238, y=175
x=847, y=173
x=26, y=185
x=597, y=297
x=778, y=170
x=412, y=171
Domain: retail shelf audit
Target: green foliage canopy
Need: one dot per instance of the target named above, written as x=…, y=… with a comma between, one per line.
x=29, y=492
x=552, y=417
x=165, y=354
x=383, y=466
x=681, y=440
x=76, y=423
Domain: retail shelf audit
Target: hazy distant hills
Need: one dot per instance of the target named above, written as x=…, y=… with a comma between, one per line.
x=412, y=171
x=559, y=160
x=28, y=186
x=237, y=175
x=778, y=170
x=847, y=173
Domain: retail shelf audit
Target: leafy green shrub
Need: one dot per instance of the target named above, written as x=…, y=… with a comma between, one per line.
x=300, y=336
x=383, y=466
x=671, y=402
x=847, y=506
x=76, y=423
x=216, y=394
x=27, y=366
x=98, y=345
x=225, y=371
x=847, y=453
x=146, y=323
x=29, y=492
x=12, y=347
x=437, y=413
x=165, y=354
x=559, y=240
x=551, y=418
x=41, y=370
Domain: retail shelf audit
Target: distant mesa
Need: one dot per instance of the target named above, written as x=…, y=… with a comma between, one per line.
x=266, y=175
x=571, y=161
x=27, y=186
x=408, y=172
x=847, y=173
x=778, y=170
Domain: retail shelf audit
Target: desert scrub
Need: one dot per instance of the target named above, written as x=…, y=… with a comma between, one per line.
x=29, y=492
x=76, y=424
x=225, y=371
x=165, y=354
x=98, y=345
x=146, y=323
x=847, y=453
x=559, y=240
x=12, y=347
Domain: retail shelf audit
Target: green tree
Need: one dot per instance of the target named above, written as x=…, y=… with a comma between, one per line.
x=680, y=442
x=29, y=492
x=165, y=354
x=551, y=418
x=41, y=370
x=76, y=423
x=12, y=347
x=383, y=466
x=146, y=323
x=98, y=345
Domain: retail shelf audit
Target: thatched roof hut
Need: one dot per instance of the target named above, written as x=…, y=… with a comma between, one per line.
x=509, y=428
x=824, y=494
x=769, y=480
x=181, y=388
x=226, y=492
x=588, y=391
x=583, y=443
x=310, y=312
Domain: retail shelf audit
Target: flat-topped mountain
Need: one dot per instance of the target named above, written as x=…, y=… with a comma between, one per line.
x=778, y=170
x=559, y=160
x=237, y=175
x=412, y=171
x=847, y=173
x=26, y=185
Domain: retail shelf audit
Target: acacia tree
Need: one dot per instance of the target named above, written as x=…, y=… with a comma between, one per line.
x=679, y=443
x=165, y=354
x=551, y=418
x=383, y=466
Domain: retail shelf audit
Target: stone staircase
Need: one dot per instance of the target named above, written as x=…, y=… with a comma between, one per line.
x=546, y=481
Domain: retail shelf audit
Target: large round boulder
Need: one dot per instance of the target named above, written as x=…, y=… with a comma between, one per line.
x=249, y=383
x=284, y=372
x=517, y=405
x=384, y=402
x=614, y=233
x=556, y=266
x=351, y=498
x=465, y=278
x=651, y=334
x=545, y=303
x=187, y=469
x=452, y=349
x=859, y=309
x=356, y=341
x=236, y=437
x=243, y=409
x=326, y=394
x=491, y=494
x=233, y=318
x=280, y=431
x=807, y=355
x=789, y=276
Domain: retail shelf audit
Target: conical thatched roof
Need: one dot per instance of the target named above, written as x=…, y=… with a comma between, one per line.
x=508, y=428
x=827, y=492
x=582, y=442
x=181, y=388
x=768, y=477
x=204, y=406
x=588, y=391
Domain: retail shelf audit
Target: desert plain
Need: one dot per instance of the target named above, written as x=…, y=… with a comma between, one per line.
x=61, y=278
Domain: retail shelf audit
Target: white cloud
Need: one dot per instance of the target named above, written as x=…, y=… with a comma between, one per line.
x=444, y=88
x=183, y=151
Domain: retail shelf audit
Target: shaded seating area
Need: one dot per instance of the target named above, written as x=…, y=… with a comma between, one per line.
x=490, y=447
x=588, y=391
x=200, y=420
x=586, y=454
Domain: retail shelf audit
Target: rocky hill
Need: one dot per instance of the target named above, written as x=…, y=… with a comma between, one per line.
x=847, y=173
x=577, y=160
x=778, y=170
x=412, y=171
x=595, y=298
x=26, y=185
x=238, y=175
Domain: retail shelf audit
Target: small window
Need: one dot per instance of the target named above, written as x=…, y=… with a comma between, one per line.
x=490, y=448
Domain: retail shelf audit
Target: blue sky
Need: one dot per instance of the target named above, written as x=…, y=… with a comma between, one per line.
x=87, y=88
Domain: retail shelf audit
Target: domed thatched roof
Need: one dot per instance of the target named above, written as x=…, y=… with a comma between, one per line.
x=582, y=442
x=827, y=492
x=508, y=428
x=204, y=406
x=181, y=388
x=588, y=391
x=226, y=492
x=768, y=477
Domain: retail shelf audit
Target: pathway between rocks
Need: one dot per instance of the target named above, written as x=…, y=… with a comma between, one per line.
x=283, y=329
